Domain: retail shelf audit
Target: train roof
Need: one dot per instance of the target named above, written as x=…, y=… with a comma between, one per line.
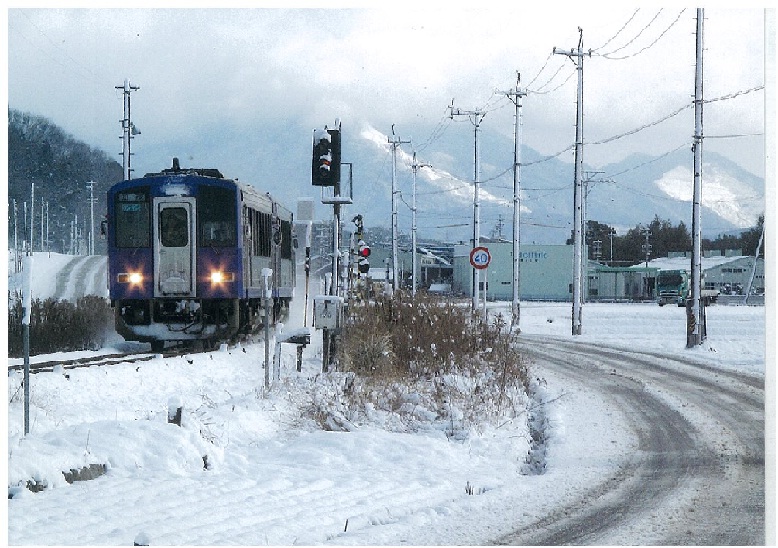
x=178, y=171
x=203, y=172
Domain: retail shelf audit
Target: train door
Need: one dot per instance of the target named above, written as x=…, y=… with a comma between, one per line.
x=174, y=247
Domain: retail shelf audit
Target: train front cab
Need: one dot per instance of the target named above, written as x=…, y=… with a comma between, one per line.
x=175, y=263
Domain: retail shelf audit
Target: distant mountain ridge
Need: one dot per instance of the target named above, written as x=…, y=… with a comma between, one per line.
x=276, y=158
x=60, y=167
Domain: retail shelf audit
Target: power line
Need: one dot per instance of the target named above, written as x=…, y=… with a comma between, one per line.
x=640, y=32
x=649, y=46
x=619, y=31
x=641, y=128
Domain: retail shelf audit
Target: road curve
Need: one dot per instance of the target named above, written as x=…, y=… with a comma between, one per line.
x=698, y=475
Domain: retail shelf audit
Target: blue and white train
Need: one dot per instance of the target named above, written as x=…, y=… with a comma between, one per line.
x=187, y=249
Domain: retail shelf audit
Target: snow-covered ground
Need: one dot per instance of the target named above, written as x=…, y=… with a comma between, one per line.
x=272, y=477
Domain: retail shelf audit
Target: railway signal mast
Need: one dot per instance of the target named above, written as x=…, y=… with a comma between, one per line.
x=325, y=173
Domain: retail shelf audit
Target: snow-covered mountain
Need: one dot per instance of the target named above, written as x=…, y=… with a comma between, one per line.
x=277, y=159
x=622, y=194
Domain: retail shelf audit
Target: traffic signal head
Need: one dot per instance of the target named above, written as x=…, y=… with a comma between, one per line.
x=325, y=162
x=363, y=251
x=321, y=165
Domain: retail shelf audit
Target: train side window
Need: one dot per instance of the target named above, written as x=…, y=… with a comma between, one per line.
x=267, y=234
x=286, y=240
x=217, y=216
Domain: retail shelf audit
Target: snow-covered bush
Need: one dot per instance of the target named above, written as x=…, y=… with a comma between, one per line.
x=413, y=365
x=61, y=326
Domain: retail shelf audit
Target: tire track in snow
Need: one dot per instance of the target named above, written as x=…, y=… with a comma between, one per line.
x=81, y=276
x=97, y=283
x=698, y=477
x=64, y=277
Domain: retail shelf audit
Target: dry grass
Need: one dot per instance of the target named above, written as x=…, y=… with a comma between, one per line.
x=423, y=362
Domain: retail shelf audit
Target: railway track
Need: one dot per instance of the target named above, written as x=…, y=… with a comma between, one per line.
x=95, y=361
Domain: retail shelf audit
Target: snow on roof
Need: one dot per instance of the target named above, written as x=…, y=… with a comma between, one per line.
x=684, y=263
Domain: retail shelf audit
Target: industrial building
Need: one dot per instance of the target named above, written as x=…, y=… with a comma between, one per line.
x=546, y=273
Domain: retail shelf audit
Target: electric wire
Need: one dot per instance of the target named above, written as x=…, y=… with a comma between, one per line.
x=661, y=35
x=619, y=31
x=640, y=32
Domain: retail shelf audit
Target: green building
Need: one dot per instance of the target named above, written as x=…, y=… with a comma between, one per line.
x=546, y=272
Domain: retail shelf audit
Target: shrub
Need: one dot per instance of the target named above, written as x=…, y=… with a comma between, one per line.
x=60, y=326
x=410, y=364
x=420, y=337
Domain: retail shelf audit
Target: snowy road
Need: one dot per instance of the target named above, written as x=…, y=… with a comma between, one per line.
x=697, y=476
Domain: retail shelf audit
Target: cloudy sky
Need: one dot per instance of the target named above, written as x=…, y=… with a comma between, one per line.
x=201, y=71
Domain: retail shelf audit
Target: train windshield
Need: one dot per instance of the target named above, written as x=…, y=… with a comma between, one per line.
x=133, y=218
x=174, y=227
x=217, y=217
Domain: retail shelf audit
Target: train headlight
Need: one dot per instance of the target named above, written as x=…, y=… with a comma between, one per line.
x=217, y=277
x=132, y=278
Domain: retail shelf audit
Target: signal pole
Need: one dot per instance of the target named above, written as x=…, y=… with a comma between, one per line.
x=476, y=117
x=395, y=142
x=515, y=97
x=694, y=331
x=128, y=129
x=577, y=191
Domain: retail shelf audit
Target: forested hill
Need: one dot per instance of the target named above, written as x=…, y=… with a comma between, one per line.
x=60, y=166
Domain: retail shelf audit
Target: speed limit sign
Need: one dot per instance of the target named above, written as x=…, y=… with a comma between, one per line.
x=480, y=257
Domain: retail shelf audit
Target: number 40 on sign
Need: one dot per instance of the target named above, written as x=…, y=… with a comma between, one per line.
x=480, y=257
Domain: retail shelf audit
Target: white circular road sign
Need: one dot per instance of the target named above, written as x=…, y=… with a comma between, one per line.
x=480, y=257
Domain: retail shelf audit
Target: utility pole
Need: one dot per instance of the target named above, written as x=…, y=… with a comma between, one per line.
x=48, y=248
x=476, y=117
x=515, y=97
x=577, y=57
x=91, y=186
x=395, y=142
x=647, y=246
x=32, y=216
x=753, y=270
x=694, y=329
x=588, y=178
x=43, y=224
x=128, y=129
x=416, y=166
x=16, y=237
